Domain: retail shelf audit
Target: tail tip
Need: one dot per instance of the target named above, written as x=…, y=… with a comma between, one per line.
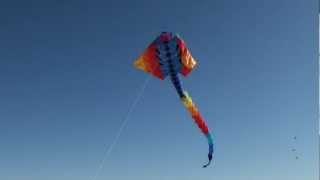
x=210, y=158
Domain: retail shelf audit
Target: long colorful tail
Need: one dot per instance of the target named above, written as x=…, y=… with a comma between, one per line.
x=187, y=102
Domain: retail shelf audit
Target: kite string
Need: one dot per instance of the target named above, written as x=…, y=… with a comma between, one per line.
x=123, y=124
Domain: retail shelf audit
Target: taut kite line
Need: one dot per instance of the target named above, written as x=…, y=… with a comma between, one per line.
x=168, y=55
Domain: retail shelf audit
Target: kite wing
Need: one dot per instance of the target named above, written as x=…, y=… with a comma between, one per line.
x=149, y=62
x=187, y=61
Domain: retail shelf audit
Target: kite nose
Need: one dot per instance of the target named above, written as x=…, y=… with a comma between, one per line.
x=165, y=36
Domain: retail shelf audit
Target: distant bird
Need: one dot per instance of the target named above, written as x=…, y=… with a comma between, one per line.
x=294, y=149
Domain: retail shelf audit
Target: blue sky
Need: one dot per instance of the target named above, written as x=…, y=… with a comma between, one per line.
x=67, y=81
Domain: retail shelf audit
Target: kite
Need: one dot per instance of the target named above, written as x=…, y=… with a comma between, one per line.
x=166, y=56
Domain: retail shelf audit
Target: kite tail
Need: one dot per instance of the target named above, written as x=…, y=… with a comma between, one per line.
x=191, y=107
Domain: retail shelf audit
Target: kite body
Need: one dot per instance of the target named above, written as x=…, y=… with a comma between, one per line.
x=166, y=56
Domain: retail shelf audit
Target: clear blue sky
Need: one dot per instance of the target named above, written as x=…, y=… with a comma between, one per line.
x=67, y=81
